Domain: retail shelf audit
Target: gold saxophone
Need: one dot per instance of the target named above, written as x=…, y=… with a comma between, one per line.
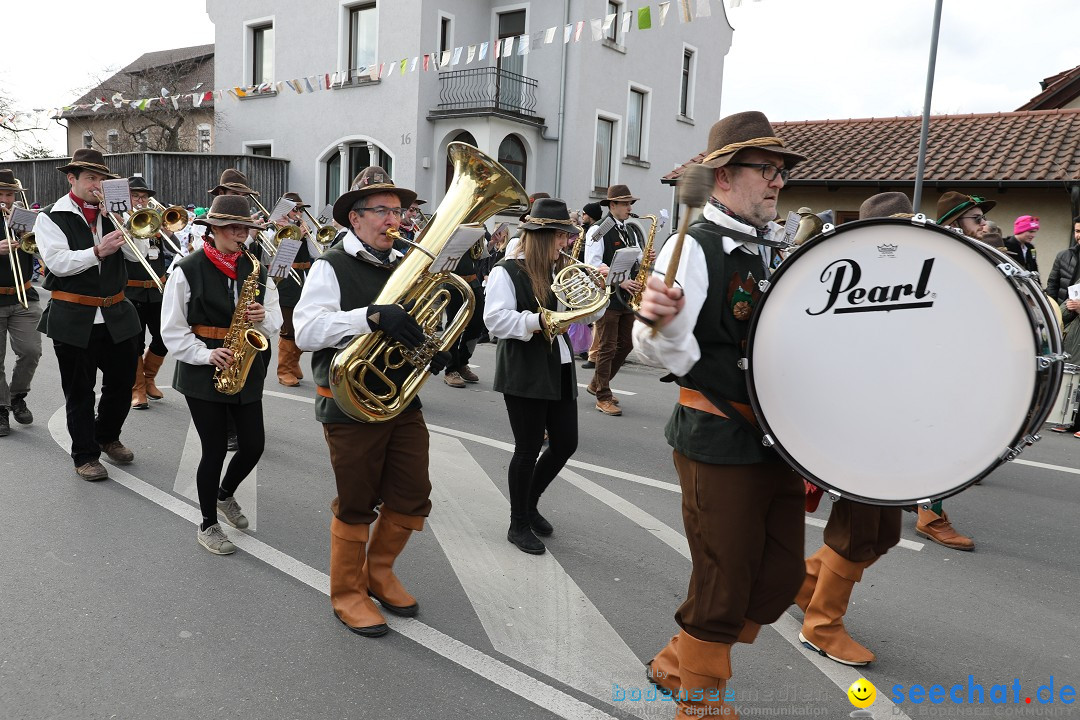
x=374, y=377
x=243, y=339
x=645, y=269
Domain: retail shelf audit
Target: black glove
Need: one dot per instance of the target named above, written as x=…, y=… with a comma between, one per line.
x=440, y=361
x=396, y=322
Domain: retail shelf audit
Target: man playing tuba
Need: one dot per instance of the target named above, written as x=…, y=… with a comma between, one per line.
x=372, y=462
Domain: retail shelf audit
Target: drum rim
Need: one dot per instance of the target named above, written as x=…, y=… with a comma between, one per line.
x=1038, y=408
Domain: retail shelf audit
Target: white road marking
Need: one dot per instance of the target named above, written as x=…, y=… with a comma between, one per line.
x=487, y=667
x=613, y=390
x=185, y=484
x=532, y=610
x=1047, y=466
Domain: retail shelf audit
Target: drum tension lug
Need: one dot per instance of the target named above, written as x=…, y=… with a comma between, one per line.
x=763, y=285
x=1012, y=271
x=833, y=495
x=744, y=363
x=828, y=229
x=919, y=219
x=1045, y=361
x=767, y=441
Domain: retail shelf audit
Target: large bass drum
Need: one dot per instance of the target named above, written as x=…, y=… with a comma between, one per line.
x=893, y=361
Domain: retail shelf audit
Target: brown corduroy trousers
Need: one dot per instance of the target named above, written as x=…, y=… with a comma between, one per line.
x=860, y=532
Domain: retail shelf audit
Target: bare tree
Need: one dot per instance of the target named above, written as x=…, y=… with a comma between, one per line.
x=13, y=135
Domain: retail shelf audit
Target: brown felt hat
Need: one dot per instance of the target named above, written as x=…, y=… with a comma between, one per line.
x=371, y=181
x=229, y=210
x=620, y=193
x=952, y=205
x=741, y=131
x=138, y=182
x=886, y=204
x=295, y=197
x=232, y=179
x=88, y=159
x=549, y=214
x=8, y=181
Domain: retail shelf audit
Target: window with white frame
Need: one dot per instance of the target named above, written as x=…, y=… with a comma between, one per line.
x=686, y=83
x=636, y=122
x=363, y=36
x=613, y=8
x=446, y=34
x=512, y=156
x=262, y=54
x=260, y=150
x=605, y=139
x=88, y=139
x=202, y=140
x=112, y=141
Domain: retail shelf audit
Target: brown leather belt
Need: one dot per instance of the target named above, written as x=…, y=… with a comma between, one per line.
x=693, y=399
x=11, y=290
x=468, y=278
x=146, y=283
x=301, y=266
x=210, y=332
x=324, y=392
x=91, y=300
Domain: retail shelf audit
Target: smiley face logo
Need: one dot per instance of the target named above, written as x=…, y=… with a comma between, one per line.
x=862, y=693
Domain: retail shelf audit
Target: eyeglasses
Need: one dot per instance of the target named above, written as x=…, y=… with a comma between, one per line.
x=784, y=173
x=977, y=219
x=381, y=211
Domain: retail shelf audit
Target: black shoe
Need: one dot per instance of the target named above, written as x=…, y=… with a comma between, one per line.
x=588, y=365
x=231, y=445
x=521, y=535
x=371, y=631
x=5, y=426
x=539, y=525
x=22, y=414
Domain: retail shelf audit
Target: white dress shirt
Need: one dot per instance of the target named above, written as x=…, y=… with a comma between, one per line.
x=58, y=256
x=674, y=347
x=505, y=321
x=176, y=331
x=318, y=319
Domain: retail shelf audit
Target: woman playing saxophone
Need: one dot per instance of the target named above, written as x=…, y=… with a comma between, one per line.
x=203, y=308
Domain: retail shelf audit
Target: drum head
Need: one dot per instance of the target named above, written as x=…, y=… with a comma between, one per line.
x=892, y=362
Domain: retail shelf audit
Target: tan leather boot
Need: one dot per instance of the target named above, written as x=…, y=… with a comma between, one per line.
x=151, y=365
x=138, y=391
x=940, y=530
x=348, y=581
x=284, y=363
x=813, y=563
x=663, y=670
x=388, y=537
x=295, y=366
x=704, y=669
x=823, y=626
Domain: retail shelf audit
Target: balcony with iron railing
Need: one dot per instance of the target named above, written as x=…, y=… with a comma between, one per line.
x=487, y=91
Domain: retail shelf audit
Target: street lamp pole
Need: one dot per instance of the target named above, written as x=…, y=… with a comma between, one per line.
x=925, y=132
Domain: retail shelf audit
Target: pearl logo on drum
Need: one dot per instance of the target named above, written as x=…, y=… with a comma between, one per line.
x=846, y=295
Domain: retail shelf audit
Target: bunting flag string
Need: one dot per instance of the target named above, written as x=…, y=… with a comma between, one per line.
x=643, y=18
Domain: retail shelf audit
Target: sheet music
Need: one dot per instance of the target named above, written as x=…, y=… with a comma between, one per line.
x=326, y=214
x=117, y=196
x=621, y=264
x=22, y=220
x=284, y=257
x=284, y=207
x=458, y=244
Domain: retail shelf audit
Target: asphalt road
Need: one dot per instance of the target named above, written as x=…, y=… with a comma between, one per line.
x=110, y=609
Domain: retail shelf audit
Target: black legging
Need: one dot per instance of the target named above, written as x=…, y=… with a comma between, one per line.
x=529, y=417
x=150, y=318
x=210, y=422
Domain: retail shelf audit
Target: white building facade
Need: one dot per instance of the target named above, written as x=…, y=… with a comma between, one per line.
x=566, y=118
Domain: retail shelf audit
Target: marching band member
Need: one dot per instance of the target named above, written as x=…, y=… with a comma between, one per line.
x=146, y=298
x=856, y=535
x=614, y=332
x=17, y=323
x=92, y=324
x=537, y=378
x=742, y=505
x=468, y=268
x=199, y=304
x=383, y=462
x=289, y=373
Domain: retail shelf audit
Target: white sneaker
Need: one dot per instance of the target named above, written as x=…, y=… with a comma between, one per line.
x=216, y=541
x=232, y=512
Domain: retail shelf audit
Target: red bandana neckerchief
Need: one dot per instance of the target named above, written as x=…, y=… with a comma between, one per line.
x=89, y=211
x=225, y=263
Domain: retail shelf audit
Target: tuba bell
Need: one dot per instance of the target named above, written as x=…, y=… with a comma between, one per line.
x=374, y=378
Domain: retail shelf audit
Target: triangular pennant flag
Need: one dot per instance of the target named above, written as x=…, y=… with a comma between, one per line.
x=523, y=45
x=445, y=60
x=496, y=49
x=608, y=22
x=627, y=17
x=175, y=102
x=664, y=7
x=404, y=64
x=382, y=66
x=307, y=81
x=684, y=10
x=427, y=60
x=577, y=30
x=470, y=55
x=239, y=92
x=549, y=35
x=117, y=100
x=334, y=78
x=644, y=18
x=97, y=106
x=326, y=79
x=483, y=51
x=278, y=86
x=196, y=100
x=597, y=27
x=414, y=61
x=703, y=8
x=566, y=33
x=457, y=56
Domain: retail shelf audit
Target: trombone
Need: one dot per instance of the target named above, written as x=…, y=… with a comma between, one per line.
x=270, y=247
x=143, y=224
x=172, y=220
x=324, y=234
x=16, y=267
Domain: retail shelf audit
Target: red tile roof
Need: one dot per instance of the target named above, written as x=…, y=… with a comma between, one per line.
x=1058, y=91
x=1006, y=148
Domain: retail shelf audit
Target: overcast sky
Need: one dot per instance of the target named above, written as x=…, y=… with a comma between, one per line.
x=793, y=59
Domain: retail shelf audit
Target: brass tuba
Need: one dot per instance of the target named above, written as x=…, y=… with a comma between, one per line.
x=581, y=289
x=374, y=378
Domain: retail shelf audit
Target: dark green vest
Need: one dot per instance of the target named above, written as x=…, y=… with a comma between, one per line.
x=7, y=279
x=71, y=323
x=360, y=282
x=288, y=290
x=212, y=303
x=721, y=332
x=532, y=368
x=613, y=240
x=137, y=272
